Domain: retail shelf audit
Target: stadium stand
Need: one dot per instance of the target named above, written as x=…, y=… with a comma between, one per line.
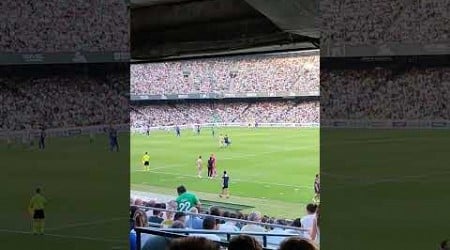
x=293, y=72
x=63, y=26
x=240, y=112
x=386, y=93
x=270, y=234
x=355, y=22
x=75, y=101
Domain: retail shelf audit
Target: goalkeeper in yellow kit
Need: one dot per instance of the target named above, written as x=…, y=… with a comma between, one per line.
x=36, y=209
x=146, y=161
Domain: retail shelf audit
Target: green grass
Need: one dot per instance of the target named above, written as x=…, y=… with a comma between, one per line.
x=83, y=183
x=272, y=169
x=385, y=189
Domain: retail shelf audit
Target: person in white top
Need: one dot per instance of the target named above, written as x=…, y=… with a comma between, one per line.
x=315, y=230
x=307, y=221
x=256, y=217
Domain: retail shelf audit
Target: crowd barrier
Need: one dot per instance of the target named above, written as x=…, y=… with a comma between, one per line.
x=156, y=229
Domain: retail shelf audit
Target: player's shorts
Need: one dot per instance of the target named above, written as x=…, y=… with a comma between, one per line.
x=316, y=190
x=146, y=163
x=224, y=186
x=38, y=214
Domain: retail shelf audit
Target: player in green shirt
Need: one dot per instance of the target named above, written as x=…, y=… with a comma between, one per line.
x=36, y=209
x=185, y=200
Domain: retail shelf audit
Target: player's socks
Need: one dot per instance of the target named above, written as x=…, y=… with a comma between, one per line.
x=34, y=227
x=41, y=227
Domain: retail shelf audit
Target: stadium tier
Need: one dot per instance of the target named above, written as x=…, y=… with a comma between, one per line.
x=63, y=26
x=225, y=112
x=386, y=93
x=374, y=22
x=32, y=100
x=293, y=72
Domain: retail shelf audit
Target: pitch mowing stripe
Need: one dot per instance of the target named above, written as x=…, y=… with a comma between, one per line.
x=235, y=180
x=62, y=236
x=81, y=224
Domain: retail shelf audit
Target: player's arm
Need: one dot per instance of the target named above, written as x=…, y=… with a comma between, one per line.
x=198, y=204
x=31, y=206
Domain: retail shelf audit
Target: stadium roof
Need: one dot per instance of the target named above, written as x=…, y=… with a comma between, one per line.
x=162, y=29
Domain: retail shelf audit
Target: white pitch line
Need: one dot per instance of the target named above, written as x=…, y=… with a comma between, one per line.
x=62, y=236
x=80, y=224
x=236, y=180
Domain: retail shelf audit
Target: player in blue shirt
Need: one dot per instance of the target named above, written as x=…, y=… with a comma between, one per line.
x=113, y=141
x=177, y=129
x=225, y=181
x=42, y=136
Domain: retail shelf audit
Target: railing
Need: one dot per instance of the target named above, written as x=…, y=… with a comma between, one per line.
x=157, y=229
x=177, y=232
x=228, y=219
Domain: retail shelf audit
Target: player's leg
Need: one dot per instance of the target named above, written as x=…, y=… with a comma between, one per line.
x=227, y=194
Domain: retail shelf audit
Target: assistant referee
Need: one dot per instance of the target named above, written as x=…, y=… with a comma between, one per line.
x=36, y=209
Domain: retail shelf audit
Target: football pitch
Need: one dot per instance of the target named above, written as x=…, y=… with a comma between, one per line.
x=81, y=181
x=392, y=185
x=271, y=169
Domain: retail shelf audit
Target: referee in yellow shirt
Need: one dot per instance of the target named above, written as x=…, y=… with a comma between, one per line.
x=36, y=209
x=146, y=161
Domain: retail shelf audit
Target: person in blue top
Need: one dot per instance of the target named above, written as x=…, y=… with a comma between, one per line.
x=177, y=129
x=113, y=141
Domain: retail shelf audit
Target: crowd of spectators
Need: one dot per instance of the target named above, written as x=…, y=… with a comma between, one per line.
x=63, y=26
x=225, y=112
x=384, y=93
x=61, y=101
x=360, y=22
x=251, y=73
x=142, y=215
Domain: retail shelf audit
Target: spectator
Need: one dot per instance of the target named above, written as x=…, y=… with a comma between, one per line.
x=276, y=240
x=193, y=243
x=241, y=242
x=140, y=220
x=180, y=216
x=307, y=221
x=297, y=243
x=156, y=218
x=209, y=223
x=194, y=221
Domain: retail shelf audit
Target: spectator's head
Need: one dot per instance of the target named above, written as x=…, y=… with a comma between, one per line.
x=311, y=208
x=296, y=223
x=254, y=216
x=38, y=190
x=297, y=243
x=226, y=214
x=209, y=223
x=215, y=211
x=444, y=245
x=177, y=224
x=140, y=218
x=180, y=216
x=181, y=190
x=194, y=210
x=193, y=243
x=242, y=242
x=157, y=212
x=139, y=202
